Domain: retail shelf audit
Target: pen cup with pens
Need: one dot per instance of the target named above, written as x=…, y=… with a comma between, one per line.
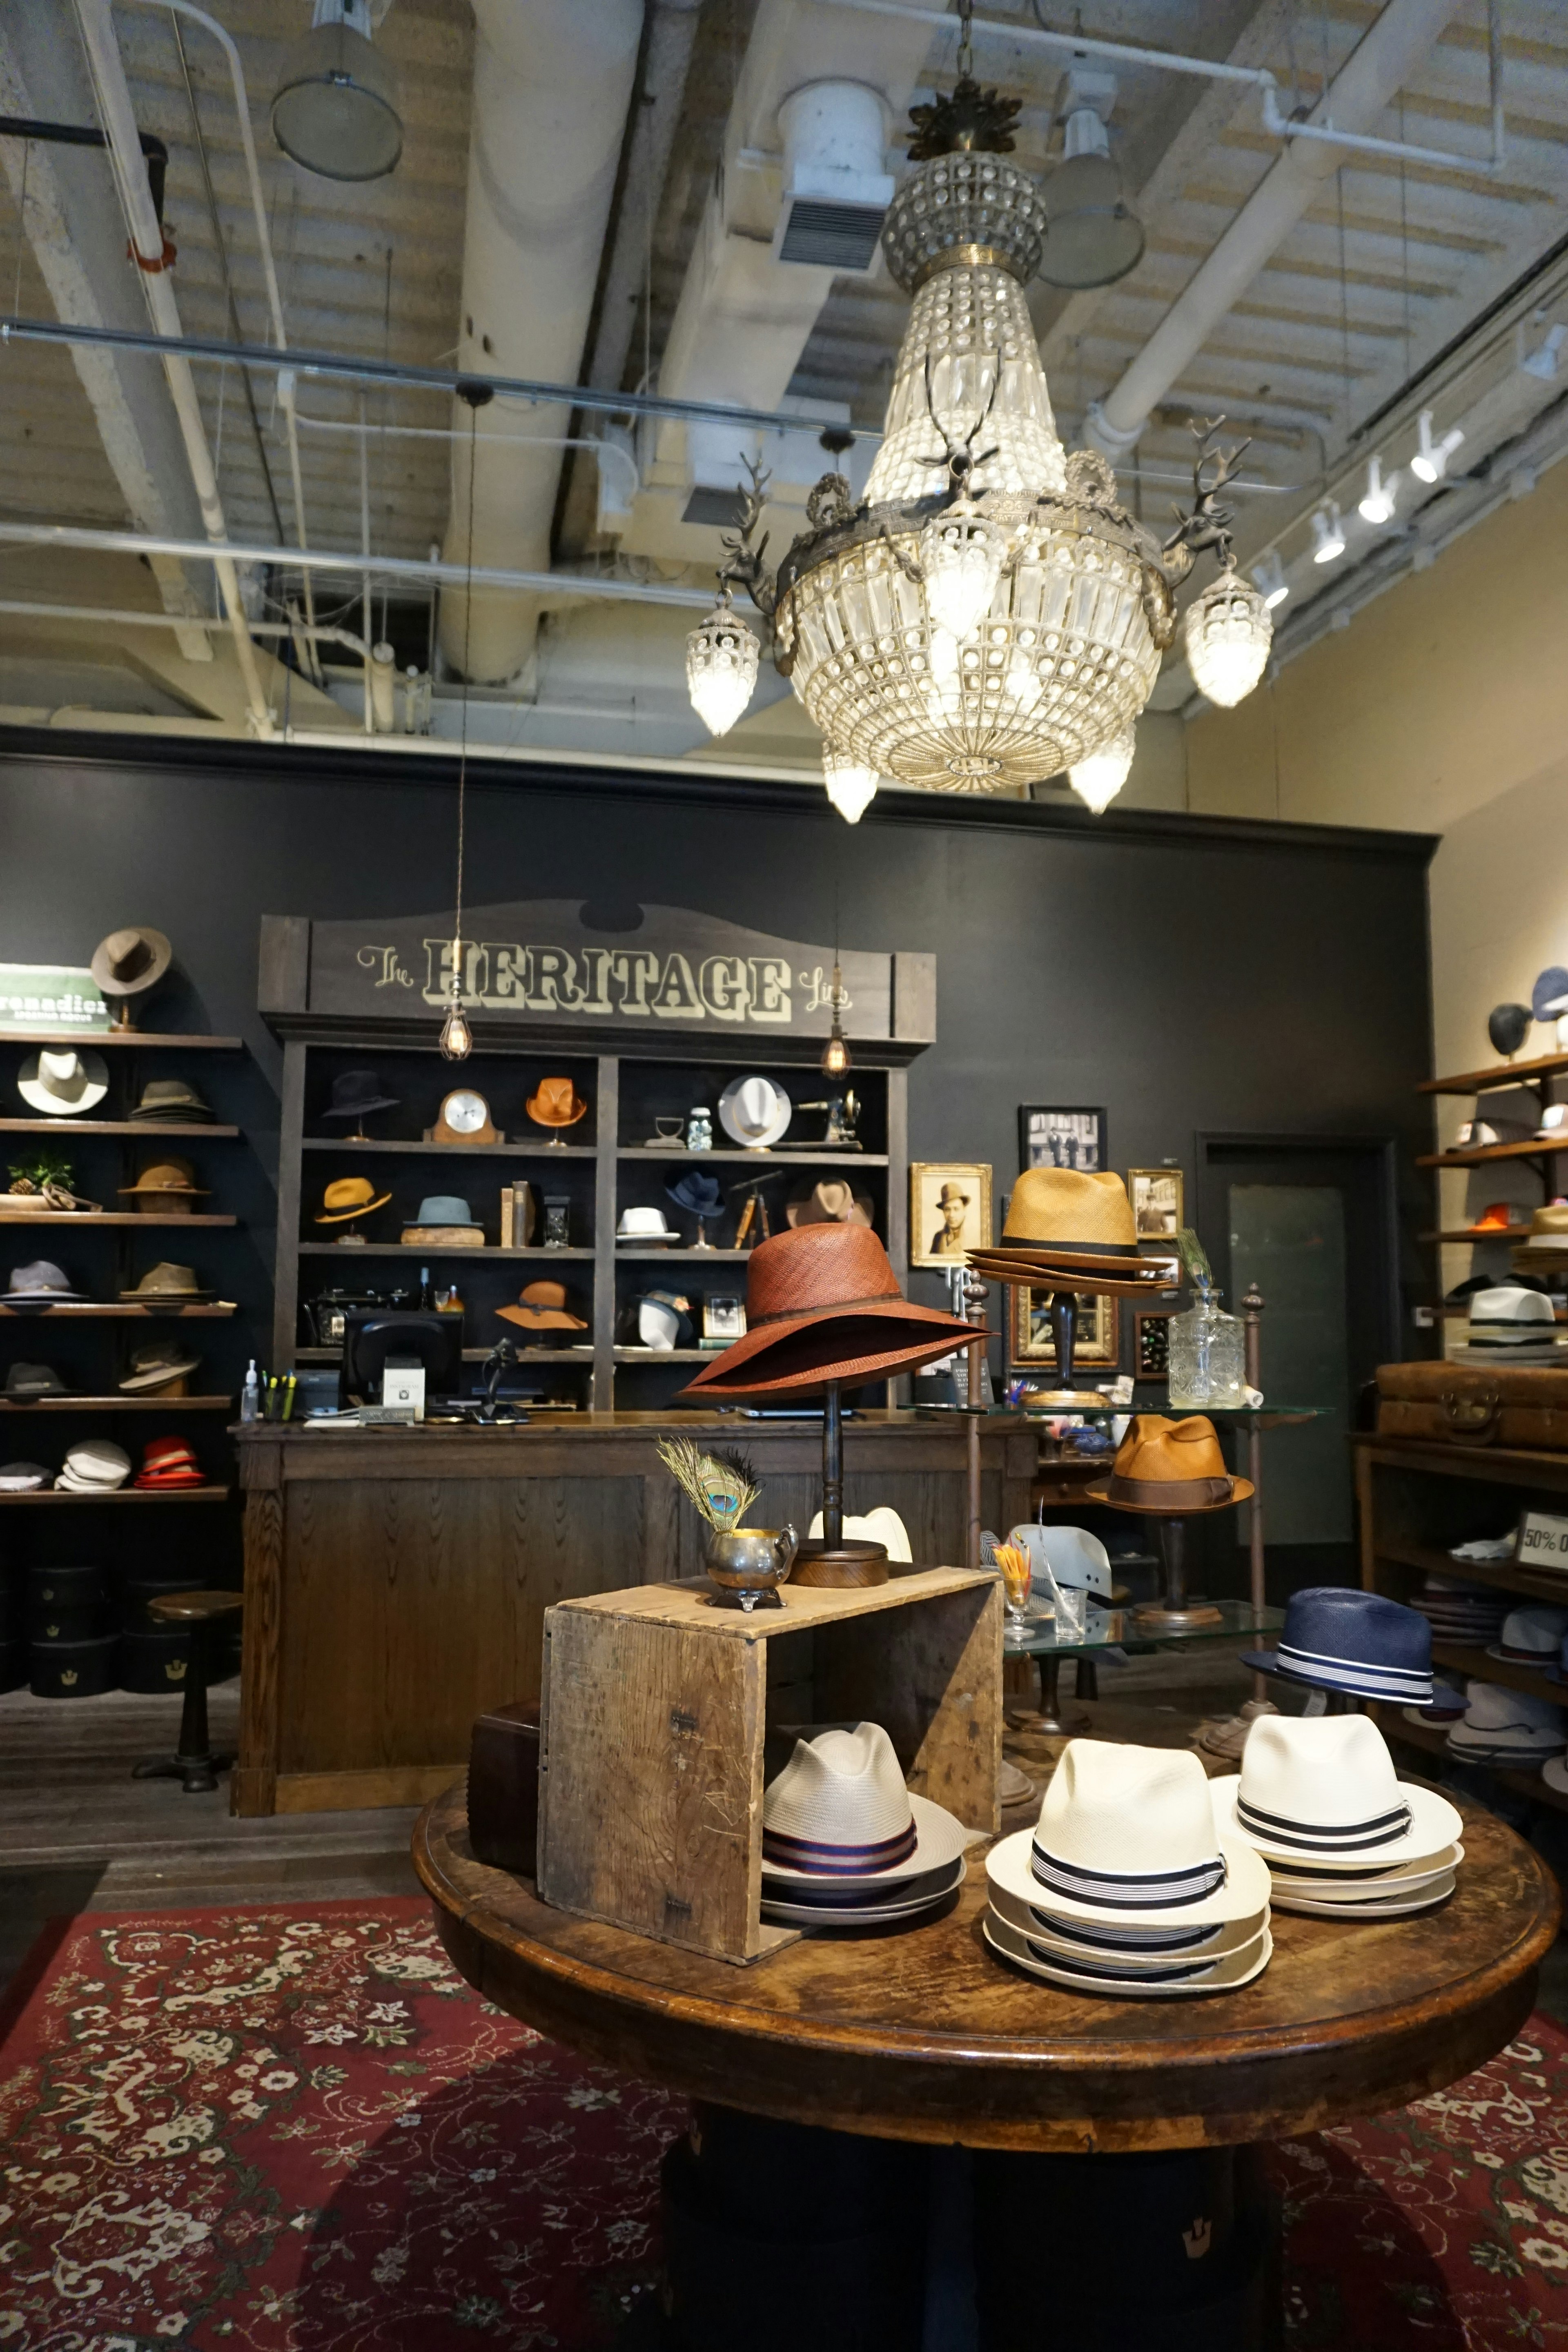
x=269, y=1396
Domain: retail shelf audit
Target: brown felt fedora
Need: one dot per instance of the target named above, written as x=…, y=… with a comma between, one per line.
x=165, y=1187
x=823, y=1304
x=555, y=1102
x=129, y=962
x=831, y=1203
x=1169, y=1467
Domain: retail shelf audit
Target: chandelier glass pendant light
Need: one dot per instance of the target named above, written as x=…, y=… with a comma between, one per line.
x=1100, y=777
x=989, y=613
x=722, y=656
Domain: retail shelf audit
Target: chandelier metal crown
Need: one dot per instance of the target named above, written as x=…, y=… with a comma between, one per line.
x=989, y=613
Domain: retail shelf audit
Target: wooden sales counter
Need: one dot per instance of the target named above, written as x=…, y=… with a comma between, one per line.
x=395, y=1579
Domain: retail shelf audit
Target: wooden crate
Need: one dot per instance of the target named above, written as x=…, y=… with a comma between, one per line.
x=658, y=1706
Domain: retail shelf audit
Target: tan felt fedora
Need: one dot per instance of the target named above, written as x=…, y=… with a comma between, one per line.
x=164, y=1281
x=831, y=1203
x=165, y=1186
x=1169, y=1467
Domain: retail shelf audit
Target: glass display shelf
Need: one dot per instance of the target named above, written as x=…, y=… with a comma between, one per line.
x=1110, y=1629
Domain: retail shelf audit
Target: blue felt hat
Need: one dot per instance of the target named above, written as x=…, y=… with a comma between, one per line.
x=698, y=1192
x=1340, y=1640
x=1550, y=995
x=443, y=1209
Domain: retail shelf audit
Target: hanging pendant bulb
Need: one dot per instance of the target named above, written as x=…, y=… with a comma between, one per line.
x=836, y=1053
x=457, y=1034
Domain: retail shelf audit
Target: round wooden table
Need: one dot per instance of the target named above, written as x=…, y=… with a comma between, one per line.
x=923, y=2036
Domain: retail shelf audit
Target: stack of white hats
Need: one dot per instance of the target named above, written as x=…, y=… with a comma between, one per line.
x=1508, y=1727
x=1126, y=1885
x=845, y=1844
x=1342, y=1835
x=1510, y=1325
x=21, y=1477
x=1532, y=1636
x=94, y=1467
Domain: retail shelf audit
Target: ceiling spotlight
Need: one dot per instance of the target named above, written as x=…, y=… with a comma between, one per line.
x=1093, y=236
x=1430, y=462
x=1268, y=578
x=1328, y=535
x=1377, y=507
x=336, y=108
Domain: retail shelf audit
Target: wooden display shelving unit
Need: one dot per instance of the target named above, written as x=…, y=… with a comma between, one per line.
x=1416, y=1498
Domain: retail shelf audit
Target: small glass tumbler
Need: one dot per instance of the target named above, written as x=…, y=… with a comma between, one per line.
x=1072, y=1615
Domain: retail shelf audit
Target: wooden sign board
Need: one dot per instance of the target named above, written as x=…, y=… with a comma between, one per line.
x=540, y=961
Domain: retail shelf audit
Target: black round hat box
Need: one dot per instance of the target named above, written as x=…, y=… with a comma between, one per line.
x=73, y=1669
x=65, y=1588
x=157, y=1662
x=13, y=1666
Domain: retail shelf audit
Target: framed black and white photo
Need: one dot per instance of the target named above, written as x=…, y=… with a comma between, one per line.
x=1060, y=1139
x=1157, y=1195
x=723, y=1317
x=1099, y=1336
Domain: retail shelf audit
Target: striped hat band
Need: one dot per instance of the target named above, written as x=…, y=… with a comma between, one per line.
x=1313, y=1837
x=1167, y=1890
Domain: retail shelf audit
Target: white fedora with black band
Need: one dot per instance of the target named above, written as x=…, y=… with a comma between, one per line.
x=1320, y=1792
x=1136, y=1949
x=1180, y=1977
x=839, y=1812
x=1127, y=1835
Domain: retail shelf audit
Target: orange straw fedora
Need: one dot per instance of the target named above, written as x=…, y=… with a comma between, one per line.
x=1169, y=1467
x=823, y=1304
x=555, y=1102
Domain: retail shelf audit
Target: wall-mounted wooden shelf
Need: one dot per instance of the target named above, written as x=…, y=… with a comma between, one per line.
x=529, y=1149
x=97, y=1039
x=429, y=1251
x=667, y=1355
x=134, y=1126
x=92, y=1311
x=577, y=1356
x=118, y=1404
x=1537, y=1147
x=1499, y=1075
x=823, y=1156
x=119, y=1495
x=1469, y=1233
x=86, y=1221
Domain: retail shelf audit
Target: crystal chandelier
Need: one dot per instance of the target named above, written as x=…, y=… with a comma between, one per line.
x=989, y=613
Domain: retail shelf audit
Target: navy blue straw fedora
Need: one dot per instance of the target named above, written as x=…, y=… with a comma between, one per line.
x=1338, y=1640
x=698, y=1192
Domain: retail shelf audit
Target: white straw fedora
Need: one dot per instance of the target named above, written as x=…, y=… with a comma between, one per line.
x=1074, y=1556
x=839, y=1811
x=1094, y=1976
x=753, y=1112
x=1322, y=1791
x=64, y=1083
x=1349, y=1887
x=1386, y=1907
x=1136, y=1949
x=1128, y=1834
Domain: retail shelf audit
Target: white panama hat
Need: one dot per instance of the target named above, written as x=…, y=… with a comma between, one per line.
x=839, y=1814
x=1138, y=1950
x=1074, y=1556
x=753, y=1112
x=1321, y=1790
x=1182, y=1978
x=1391, y=1906
x=882, y=1526
x=1127, y=1835
x=1509, y=1722
x=1347, y=1889
x=63, y=1083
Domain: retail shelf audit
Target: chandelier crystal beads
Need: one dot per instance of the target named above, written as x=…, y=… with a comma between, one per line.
x=722, y=658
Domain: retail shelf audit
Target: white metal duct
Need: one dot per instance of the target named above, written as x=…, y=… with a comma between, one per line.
x=552, y=79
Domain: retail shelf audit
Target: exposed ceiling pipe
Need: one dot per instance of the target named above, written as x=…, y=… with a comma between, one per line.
x=151, y=254
x=1391, y=50
x=40, y=609
x=667, y=58
x=552, y=79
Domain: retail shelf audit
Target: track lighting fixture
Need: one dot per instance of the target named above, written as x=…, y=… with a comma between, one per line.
x=1377, y=505
x=1430, y=462
x=1328, y=535
x=1268, y=578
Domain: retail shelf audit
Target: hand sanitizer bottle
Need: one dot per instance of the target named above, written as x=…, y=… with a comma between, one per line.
x=250, y=1395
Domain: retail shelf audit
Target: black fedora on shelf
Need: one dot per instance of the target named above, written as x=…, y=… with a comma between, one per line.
x=356, y=1093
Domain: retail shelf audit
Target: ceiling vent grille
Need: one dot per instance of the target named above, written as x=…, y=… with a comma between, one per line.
x=831, y=236
x=723, y=509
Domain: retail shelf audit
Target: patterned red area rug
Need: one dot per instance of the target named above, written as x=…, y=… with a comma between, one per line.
x=293, y=2128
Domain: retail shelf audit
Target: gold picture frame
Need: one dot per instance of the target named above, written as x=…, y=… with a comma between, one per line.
x=931, y=1219
x=1099, y=1340
x=1158, y=1196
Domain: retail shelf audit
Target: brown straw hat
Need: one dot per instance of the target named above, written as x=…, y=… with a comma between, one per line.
x=822, y=1304
x=1169, y=1467
x=1073, y=1210
x=542, y=1307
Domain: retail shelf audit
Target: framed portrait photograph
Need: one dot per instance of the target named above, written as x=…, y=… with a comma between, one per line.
x=949, y=1211
x=1099, y=1328
x=724, y=1316
x=1061, y=1138
x=1158, y=1196
x=1152, y=1346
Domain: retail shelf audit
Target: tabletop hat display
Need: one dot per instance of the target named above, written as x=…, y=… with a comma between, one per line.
x=844, y=1844
x=168, y=1464
x=356, y=1093
x=171, y=1102
x=26, y=1383
x=648, y=1228
x=128, y=964
x=555, y=1103
x=542, y=1307
x=1508, y=1727
x=1334, y=1639
x=94, y=1467
x=63, y=1083
x=165, y=1188
x=1532, y=1636
x=1174, y=1472
x=754, y=1112
x=1342, y=1835
x=348, y=1199
x=831, y=1203
x=160, y=1368
x=38, y=1285
x=1071, y=1232
x=1127, y=1885
x=1511, y=1324
x=823, y=1311
x=167, y=1284
x=698, y=1192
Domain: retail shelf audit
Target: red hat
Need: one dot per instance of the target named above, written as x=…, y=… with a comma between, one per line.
x=823, y=1304
x=168, y=1462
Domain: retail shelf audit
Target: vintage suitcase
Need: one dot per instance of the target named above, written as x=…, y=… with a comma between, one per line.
x=1523, y=1406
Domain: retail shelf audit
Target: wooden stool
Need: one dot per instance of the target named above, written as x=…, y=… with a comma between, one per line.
x=194, y=1762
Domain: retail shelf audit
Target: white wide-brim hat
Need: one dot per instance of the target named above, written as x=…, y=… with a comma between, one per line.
x=1554, y=1772
x=794, y=1906
x=63, y=1082
x=1074, y=1556
x=1322, y=1791
x=1242, y=1892
x=839, y=1815
x=1182, y=1978
x=643, y=1226
x=753, y=1111
x=1388, y=1906
x=1112, y=1944
x=1370, y=1886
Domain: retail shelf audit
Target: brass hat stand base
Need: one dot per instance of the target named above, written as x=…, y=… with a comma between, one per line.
x=843, y=1566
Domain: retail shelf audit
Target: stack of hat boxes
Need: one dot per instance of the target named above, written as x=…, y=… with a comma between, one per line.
x=107, y=1406
x=661, y=1707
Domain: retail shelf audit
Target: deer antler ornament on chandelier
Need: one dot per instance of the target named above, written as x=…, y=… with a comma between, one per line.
x=987, y=631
